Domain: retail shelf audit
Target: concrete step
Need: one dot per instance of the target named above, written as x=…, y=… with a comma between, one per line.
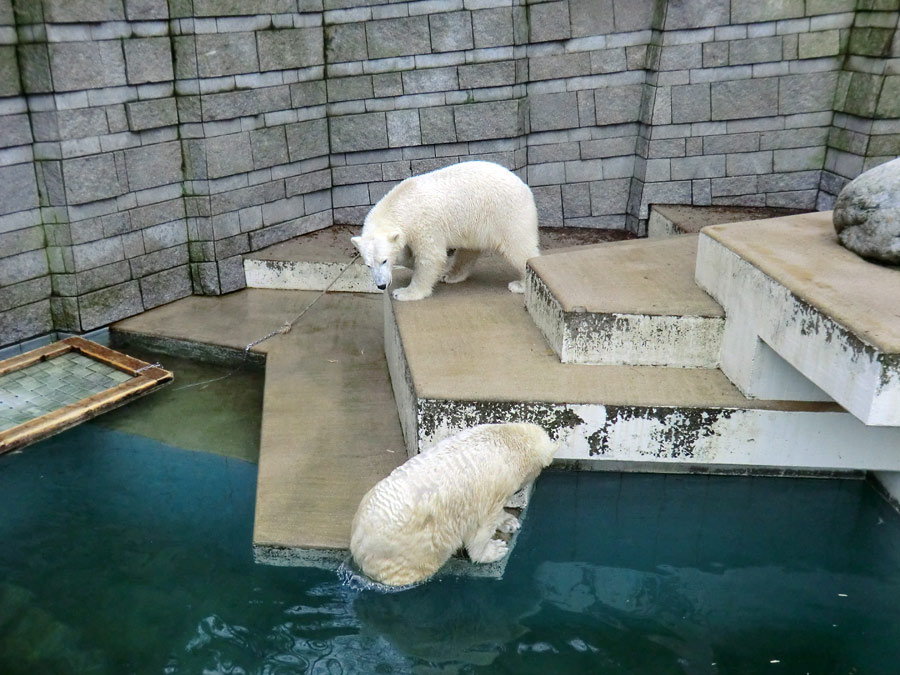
x=625, y=303
x=806, y=317
x=469, y=357
x=667, y=220
x=310, y=263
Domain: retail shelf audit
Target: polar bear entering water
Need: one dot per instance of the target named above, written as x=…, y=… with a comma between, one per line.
x=448, y=497
x=470, y=207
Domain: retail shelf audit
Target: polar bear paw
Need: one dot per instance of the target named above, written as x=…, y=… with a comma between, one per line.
x=405, y=294
x=516, y=286
x=508, y=523
x=494, y=550
x=454, y=278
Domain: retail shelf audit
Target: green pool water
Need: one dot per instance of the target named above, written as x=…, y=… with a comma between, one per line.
x=121, y=554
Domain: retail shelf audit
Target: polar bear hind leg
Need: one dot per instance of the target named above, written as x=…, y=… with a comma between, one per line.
x=460, y=265
x=517, y=254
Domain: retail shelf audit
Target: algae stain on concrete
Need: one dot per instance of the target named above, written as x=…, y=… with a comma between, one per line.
x=672, y=433
x=438, y=419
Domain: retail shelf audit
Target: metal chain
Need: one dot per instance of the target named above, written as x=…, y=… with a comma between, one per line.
x=287, y=325
x=281, y=330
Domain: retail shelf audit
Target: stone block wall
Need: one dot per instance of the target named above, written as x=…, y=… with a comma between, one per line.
x=146, y=145
x=25, y=283
x=865, y=131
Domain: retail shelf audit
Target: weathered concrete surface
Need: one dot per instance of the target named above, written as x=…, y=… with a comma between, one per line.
x=832, y=316
x=329, y=429
x=667, y=220
x=625, y=303
x=867, y=214
x=472, y=356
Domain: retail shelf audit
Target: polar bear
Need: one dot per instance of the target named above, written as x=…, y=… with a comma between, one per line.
x=470, y=206
x=448, y=497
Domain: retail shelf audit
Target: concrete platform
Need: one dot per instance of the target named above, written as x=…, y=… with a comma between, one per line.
x=667, y=220
x=467, y=355
x=626, y=303
x=329, y=430
x=471, y=356
x=801, y=308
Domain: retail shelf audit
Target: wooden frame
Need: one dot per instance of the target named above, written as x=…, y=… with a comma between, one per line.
x=145, y=378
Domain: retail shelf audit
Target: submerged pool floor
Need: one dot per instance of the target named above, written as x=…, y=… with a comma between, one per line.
x=125, y=555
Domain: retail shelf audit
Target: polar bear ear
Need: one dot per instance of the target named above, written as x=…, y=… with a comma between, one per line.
x=394, y=236
x=355, y=241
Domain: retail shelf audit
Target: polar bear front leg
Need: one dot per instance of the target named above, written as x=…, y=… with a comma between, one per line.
x=427, y=270
x=482, y=548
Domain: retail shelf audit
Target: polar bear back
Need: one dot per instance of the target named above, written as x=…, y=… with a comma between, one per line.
x=476, y=205
x=410, y=523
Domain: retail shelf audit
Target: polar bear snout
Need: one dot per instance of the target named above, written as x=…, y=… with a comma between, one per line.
x=381, y=275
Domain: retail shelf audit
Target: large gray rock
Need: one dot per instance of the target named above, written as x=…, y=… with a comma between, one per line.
x=867, y=213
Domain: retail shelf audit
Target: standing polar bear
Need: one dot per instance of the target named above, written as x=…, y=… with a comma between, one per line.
x=448, y=497
x=470, y=206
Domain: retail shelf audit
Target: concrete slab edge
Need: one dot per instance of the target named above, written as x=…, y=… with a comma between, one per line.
x=545, y=311
x=401, y=378
x=199, y=351
x=854, y=373
x=333, y=559
x=659, y=226
x=808, y=440
x=618, y=339
x=642, y=340
x=308, y=276
x=283, y=556
x=707, y=469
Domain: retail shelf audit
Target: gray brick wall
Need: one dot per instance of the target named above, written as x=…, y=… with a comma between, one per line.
x=146, y=145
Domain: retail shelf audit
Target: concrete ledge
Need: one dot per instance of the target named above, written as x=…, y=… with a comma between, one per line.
x=310, y=276
x=286, y=556
x=792, y=293
x=667, y=220
x=627, y=303
x=310, y=263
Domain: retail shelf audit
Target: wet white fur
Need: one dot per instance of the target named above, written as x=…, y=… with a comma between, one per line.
x=448, y=497
x=470, y=206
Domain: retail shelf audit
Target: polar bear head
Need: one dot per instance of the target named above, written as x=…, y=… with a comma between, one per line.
x=531, y=443
x=380, y=248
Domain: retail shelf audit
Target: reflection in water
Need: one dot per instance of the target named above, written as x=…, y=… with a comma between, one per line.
x=122, y=555
x=462, y=621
